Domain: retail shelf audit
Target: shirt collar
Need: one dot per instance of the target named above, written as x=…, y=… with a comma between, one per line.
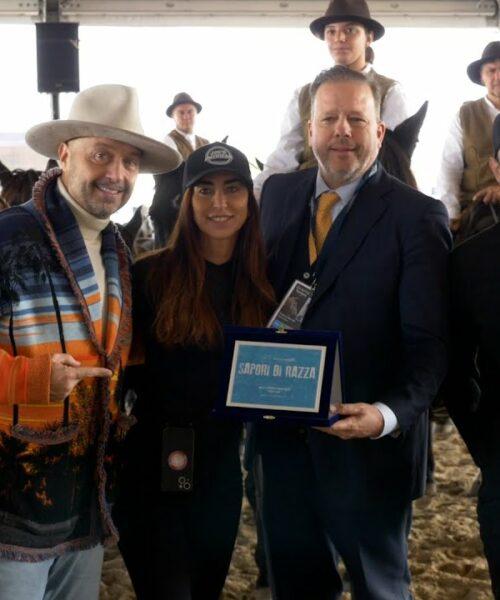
x=346, y=192
x=490, y=104
x=189, y=136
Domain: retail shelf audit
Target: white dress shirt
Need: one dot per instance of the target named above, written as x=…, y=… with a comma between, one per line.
x=347, y=193
x=190, y=137
x=285, y=157
x=452, y=163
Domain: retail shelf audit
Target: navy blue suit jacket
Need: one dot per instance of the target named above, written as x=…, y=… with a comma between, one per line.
x=381, y=281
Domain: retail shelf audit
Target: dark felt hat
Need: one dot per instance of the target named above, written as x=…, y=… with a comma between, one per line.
x=496, y=134
x=215, y=158
x=490, y=54
x=182, y=98
x=347, y=10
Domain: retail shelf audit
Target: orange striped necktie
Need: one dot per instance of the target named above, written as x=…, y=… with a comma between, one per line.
x=322, y=223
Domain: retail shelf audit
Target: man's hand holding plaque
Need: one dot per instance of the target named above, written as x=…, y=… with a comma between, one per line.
x=359, y=420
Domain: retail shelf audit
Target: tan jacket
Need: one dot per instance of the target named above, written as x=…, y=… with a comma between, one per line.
x=478, y=147
x=184, y=148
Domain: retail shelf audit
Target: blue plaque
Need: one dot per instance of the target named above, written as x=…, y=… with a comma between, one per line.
x=281, y=375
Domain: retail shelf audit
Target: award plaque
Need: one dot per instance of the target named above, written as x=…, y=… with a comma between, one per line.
x=281, y=375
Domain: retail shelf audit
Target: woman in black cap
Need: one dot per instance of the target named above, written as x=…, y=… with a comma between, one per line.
x=177, y=536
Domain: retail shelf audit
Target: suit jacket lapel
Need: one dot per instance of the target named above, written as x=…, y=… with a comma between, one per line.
x=341, y=245
x=293, y=212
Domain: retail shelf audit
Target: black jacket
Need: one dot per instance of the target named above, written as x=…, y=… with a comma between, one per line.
x=381, y=281
x=473, y=386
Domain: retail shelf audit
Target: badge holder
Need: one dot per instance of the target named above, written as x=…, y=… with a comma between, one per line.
x=292, y=309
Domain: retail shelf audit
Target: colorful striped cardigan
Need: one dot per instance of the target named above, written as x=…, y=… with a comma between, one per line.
x=56, y=459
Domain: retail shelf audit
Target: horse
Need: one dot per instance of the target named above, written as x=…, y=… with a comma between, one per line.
x=162, y=214
x=17, y=185
x=398, y=147
x=166, y=203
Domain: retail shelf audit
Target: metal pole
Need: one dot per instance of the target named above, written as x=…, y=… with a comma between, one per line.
x=55, y=106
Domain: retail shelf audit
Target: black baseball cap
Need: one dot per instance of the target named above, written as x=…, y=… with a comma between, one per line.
x=215, y=158
x=496, y=134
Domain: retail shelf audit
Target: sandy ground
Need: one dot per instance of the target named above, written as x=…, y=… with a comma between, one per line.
x=445, y=550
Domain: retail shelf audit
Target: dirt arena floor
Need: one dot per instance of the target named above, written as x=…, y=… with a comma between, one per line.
x=446, y=556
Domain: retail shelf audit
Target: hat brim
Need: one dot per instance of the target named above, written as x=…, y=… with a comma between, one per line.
x=217, y=169
x=474, y=69
x=47, y=137
x=317, y=27
x=170, y=109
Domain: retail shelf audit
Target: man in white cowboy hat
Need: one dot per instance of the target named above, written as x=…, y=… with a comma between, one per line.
x=348, y=30
x=64, y=340
x=183, y=111
x=465, y=175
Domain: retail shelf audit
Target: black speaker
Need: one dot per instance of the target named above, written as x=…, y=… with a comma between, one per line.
x=57, y=57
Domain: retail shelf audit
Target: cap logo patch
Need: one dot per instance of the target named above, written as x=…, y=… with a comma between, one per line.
x=218, y=156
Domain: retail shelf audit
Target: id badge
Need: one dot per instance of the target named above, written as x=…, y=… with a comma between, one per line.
x=292, y=309
x=177, y=459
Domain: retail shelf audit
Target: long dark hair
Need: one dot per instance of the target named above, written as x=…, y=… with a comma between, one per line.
x=176, y=282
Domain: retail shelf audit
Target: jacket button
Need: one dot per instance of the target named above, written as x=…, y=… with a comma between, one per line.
x=306, y=275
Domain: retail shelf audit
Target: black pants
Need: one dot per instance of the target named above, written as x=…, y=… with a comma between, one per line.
x=303, y=529
x=488, y=509
x=179, y=546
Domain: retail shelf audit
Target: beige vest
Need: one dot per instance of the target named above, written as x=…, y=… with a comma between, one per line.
x=478, y=147
x=307, y=159
x=183, y=146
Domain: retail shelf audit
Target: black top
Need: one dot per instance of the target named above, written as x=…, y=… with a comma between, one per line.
x=178, y=385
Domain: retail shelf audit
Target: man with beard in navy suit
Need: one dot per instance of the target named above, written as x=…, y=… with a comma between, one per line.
x=376, y=253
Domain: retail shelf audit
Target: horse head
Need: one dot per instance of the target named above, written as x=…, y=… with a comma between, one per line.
x=399, y=144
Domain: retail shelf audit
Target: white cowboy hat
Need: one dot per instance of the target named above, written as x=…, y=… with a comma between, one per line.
x=110, y=111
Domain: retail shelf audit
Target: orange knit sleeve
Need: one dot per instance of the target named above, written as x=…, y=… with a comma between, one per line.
x=24, y=380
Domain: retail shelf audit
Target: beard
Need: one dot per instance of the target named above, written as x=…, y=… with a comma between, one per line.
x=337, y=171
x=341, y=175
x=101, y=206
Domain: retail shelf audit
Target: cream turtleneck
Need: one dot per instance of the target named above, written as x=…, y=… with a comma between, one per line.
x=91, y=229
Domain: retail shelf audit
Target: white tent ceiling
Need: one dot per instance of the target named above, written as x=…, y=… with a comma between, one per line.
x=263, y=13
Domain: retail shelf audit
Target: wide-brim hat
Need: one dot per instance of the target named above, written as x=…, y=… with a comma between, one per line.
x=490, y=54
x=109, y=111
x=215, y=158
x=182, y=98
x=347, y=10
